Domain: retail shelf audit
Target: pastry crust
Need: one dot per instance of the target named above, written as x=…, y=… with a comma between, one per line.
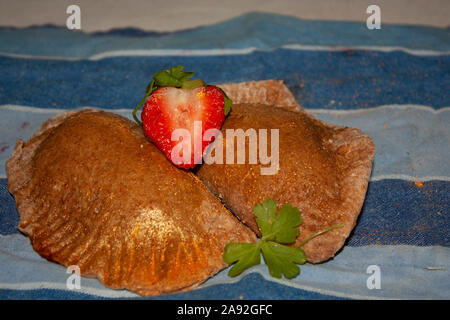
x=268, y=92
x=92, y=191
x=324, y=170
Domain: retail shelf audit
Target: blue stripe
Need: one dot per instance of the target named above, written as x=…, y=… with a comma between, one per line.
x=344, y=276
x=251, y=287
x=399, y=212
x=9, y=218
x=395, y=212
x=334, y=80
x=260, y=30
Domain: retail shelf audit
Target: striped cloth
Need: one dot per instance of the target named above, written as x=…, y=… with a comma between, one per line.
x=393, y=83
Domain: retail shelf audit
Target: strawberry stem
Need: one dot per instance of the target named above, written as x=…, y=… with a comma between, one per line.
x=136, y=109
x=148, y=91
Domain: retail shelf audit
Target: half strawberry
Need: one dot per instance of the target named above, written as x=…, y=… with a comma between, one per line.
x=178, y=112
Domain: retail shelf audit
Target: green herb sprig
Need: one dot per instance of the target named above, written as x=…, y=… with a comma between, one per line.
x=276, y=230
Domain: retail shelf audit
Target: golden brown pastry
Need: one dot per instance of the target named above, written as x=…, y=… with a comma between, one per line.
x=323, y=170
x=92, y=191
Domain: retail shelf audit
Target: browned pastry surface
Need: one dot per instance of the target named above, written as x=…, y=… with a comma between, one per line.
x=324, y=171
x=269, y=92
x=92, y=191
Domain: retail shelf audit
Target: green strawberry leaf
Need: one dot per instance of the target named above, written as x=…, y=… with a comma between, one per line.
x=192, y=84
x=173, y=77
x=227, y=102
x=178, y=73
x=164, y=78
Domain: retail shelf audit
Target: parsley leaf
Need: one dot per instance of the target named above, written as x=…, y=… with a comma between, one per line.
x=247, y=255
x=265, y=215
x=276, y=230
x=281, y=228
x=285, y=225
x=282, y=259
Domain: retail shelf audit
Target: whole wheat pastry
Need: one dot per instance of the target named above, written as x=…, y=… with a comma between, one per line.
x=268, y=92
x=323, y=169
x=92, y=191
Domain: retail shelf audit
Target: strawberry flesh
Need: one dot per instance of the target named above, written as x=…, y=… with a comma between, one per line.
x=170, y=108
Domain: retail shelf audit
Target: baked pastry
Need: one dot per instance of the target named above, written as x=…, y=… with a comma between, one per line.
x=323, y=170
x=268, y=92
x=92, y=191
